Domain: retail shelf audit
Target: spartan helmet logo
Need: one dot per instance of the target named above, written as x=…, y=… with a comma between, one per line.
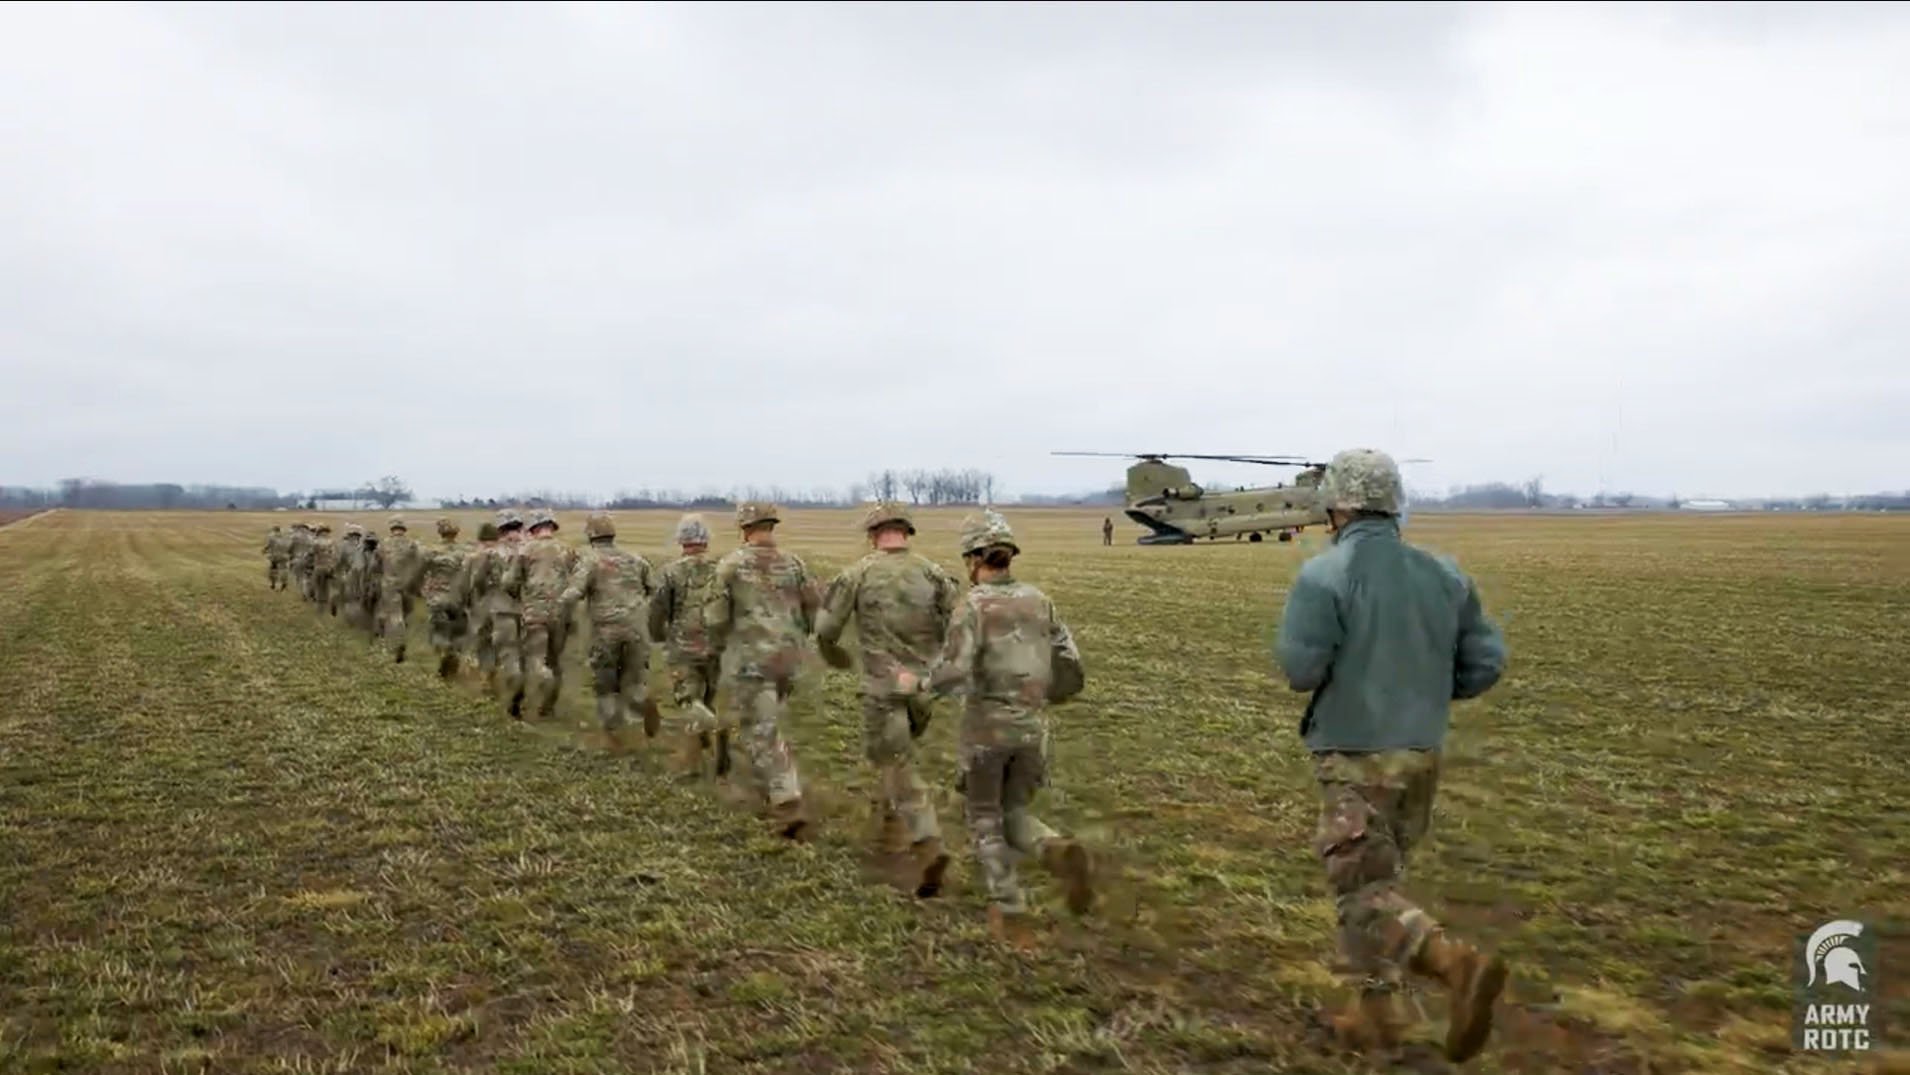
x=1829, y=948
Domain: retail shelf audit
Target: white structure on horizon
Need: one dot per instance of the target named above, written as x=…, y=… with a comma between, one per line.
x=1706, y=505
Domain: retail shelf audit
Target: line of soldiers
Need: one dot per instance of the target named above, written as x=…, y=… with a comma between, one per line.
x=743, y=622
x=1382, y=636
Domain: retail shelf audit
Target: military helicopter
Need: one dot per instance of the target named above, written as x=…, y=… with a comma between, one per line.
x=1177, y=511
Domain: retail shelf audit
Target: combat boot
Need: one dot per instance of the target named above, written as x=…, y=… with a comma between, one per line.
x=1370, y=1022
x=786, y=819
x=448, y=666
x=652, y=718
x=517, y=705
x=1010, y=929
x=722, y=754
x=1069, y=861
x=931, y=862
x=1473, y=980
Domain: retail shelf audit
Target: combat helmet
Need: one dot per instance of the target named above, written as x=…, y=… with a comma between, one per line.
x=1363, y=479
x=883, y=512
x=751, y=512
x=985, y=531
x=447, y=527
x=353, y=530
x=600, y=525
x=691, y=530
x=487, y=531
x=541, y=517
x=322, y=527
x=509, y=520
x=397, y=523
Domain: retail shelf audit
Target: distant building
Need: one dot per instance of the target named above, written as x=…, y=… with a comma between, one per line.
x=1707, y=505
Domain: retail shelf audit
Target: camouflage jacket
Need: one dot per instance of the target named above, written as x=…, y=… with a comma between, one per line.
x=677, y=607
x=301, y=549
x=761, y=608
x=278, y=546
x=540, y=573
x=396, y=564
x=487, y=573
x=440, y=567
x=901, y=602
x=325, y=554
x=1011, y=655
x=615, y=583
x=1385, y=636
x=351, y=566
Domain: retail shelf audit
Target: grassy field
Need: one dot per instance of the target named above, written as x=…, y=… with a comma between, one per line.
x=235, y=837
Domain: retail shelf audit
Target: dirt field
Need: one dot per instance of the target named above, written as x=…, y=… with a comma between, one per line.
x=234, y=837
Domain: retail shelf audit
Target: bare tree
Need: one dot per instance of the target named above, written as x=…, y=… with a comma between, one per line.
x=387, y=491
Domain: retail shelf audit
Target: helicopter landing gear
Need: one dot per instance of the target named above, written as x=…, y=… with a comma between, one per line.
x=1254, y=538
x=1286, y=536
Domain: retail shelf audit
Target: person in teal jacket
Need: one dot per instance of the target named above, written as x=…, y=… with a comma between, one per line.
x=1385, y=636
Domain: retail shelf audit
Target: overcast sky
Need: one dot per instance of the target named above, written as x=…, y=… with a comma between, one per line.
x=590, y=249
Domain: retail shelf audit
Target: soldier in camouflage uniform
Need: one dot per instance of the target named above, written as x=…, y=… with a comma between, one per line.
x=396, y=572
x=901, y=603
x=365, y=581
x=1011, y=655
x=615, y=583
x=541, y=572
x=440, y=569
x=477, y=598
x=676, y=621
x=492, y=581
x=324, y=568
x=348, y=595
x=278, y=549
x=762, y=607
x=1385, y=636
x=301, y=558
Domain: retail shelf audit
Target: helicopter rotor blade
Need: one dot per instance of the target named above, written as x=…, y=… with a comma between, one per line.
x=1263, y=460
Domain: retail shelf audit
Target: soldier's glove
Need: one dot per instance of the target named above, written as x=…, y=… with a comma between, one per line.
x=834, y=655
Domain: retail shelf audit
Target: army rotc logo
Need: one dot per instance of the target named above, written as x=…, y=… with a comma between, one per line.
x=1833, y=1012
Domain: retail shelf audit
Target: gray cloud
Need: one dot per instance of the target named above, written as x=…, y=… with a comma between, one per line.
x=592, y=248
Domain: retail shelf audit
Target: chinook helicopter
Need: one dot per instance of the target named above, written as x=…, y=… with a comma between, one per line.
x=1177, y=511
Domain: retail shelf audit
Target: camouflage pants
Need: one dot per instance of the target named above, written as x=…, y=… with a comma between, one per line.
x=507, y=652
x=1374, y=808
x=447, y=627
x=888, y=739
x=761, y=705
x=303, y=577
x=394, y=606
x=350, y=601
x=543, y=671
x=275, y=574
x=1001, y=782
x=322, y=594
x=619, y=676
x=693, y=689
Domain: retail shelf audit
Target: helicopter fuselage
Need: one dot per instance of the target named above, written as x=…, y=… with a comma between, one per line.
x=1177, y=511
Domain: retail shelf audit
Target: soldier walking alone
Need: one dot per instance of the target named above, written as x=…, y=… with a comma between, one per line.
x=1386, y=636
